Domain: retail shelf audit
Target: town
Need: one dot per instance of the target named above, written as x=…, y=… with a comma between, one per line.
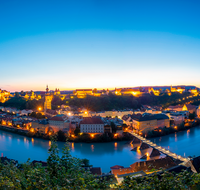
x=79, y=124
x=79, y=120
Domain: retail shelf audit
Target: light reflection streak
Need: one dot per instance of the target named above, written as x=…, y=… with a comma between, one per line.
x=72, y=146
x=92, y=148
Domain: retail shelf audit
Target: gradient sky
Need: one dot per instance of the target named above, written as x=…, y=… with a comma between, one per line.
x=98, y=43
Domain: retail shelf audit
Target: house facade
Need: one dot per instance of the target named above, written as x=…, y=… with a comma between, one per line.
x=92, y=125
x=145, y=123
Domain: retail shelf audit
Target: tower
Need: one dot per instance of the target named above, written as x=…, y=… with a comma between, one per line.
x=47, y=102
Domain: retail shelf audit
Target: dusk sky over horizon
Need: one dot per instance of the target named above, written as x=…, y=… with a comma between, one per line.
x=98, y=44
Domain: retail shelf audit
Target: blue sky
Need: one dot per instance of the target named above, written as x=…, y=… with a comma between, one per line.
x=98, y=43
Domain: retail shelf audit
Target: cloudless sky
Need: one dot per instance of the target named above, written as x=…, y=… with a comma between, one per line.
x=98, y=43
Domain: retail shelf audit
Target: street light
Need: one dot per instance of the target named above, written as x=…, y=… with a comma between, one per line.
x=39, y=109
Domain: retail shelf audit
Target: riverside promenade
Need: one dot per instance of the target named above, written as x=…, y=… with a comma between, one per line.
x=159, y=148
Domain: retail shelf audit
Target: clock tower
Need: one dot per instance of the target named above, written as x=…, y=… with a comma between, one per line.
x=47, y=102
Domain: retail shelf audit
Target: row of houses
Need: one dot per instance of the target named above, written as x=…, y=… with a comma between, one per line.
x=14, y=110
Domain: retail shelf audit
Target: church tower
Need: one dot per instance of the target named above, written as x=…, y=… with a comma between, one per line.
x=47, y=102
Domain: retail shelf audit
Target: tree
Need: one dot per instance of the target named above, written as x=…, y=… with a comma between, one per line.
x=61, y=136
x=114, y=128
x=86, y=163
x=191, y=116
x=76, y=131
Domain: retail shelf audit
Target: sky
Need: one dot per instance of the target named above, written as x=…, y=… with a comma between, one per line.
x=98, y=44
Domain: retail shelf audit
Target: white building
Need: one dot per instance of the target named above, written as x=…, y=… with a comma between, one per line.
x=91, y=125
x=198, y=112
x=59, y=122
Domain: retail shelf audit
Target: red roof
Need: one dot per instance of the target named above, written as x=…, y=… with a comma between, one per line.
x=91, y=120
x=190, y=106
x=52, y=112
x=57, y=118
x=116, y=167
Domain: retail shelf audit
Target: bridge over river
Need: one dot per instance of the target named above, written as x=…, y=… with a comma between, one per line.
x=159, y=148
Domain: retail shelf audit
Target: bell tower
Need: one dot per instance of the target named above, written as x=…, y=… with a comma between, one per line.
x=47, y=102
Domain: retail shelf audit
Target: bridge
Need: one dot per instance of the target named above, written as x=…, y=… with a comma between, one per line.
x=159, y=148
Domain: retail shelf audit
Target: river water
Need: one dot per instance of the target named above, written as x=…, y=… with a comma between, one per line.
x=104, y=155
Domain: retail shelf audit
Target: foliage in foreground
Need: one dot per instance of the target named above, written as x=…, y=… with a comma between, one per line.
x=66, y=172
x=166, y=181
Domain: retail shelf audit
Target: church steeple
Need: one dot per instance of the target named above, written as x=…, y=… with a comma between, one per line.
x=47, y=103
x=47, y=89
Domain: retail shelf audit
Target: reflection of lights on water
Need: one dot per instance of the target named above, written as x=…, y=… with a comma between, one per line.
x=72, y=146
x=188, y=132
x=175, y=137
x=92, y=147
x=9, y=138
x=24, y=140
x=32, y=140
x=184, y=153
x=115, y=145
x=168, y=147
x=49, y=143
x=138, y=150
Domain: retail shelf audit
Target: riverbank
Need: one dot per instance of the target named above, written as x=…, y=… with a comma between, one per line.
x=172, y=129
x=62, y=137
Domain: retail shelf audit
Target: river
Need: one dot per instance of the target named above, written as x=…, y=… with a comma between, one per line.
x=104, y=155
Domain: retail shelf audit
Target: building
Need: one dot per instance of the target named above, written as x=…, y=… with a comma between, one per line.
x=198, y=112
x=57, y=92
x=92, y=125
x=4, y=95
x=47, y=103
x=59, y=122
x=178, y=89
x=185, y=107
x=127, y=91
x=40, y=126
x=82, y=93
x=148, y=165
x=145, y=123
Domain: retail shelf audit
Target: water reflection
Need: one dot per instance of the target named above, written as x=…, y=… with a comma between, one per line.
x=104, y=155
x=92, y=148
x=175, y=137
x=72, y=146
x=115, y=145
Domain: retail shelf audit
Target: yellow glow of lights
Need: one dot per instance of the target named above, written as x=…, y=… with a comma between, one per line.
x=72, y=136
x=39, y=109
x=175, y=127
x=50, y=133
x=86, y=112
x=32, y=130
x=92, y=135
x=115, y=135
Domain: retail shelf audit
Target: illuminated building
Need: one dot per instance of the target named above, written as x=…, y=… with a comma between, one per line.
x=144, y=123
x=47, y=103
x=92, y=125
x=57, y=92
x=198, y=112
x=155, y=92
x=194, y=91
x=4, y=95
x=59, y=122
x=185, y=107
x=128, y=91
x=82, y=93
x=178, y=89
